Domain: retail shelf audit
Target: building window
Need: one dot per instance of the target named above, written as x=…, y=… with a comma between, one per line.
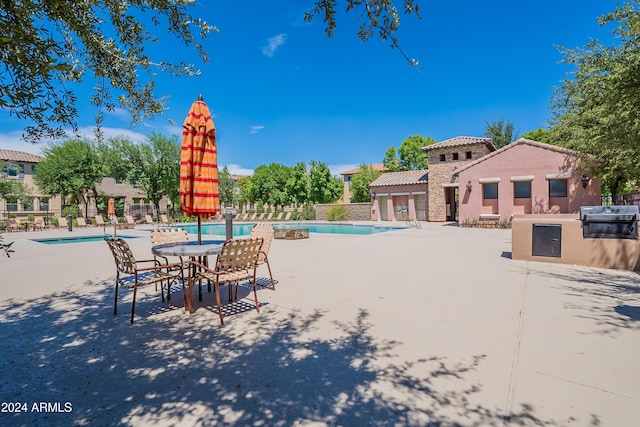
x=467, y=155
x=455, y=156
x=490, y=191
x=44, y=204
x=443, y=157
x=557, y=188
x=522, y=190
x=27, y=204
x=13, y=169
x=12, y=204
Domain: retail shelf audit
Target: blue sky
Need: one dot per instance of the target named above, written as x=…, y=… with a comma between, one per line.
x=281, y=91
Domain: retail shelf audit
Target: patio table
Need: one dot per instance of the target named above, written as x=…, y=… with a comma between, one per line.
x=192, y=250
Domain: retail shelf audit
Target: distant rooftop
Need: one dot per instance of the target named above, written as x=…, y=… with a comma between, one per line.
x=401, y=178
x=376, y=166
x=235, y=177
x=19, y=156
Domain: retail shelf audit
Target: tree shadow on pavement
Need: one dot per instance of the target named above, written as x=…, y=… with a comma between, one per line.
x=597, y=295
x=272, y=368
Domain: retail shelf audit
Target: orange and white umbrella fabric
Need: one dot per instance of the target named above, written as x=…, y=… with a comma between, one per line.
x=199, y=190
x=111, y=207
x=111, y=213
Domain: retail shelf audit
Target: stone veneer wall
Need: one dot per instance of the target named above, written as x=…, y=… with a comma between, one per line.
x=442, y=173
x=355, y=211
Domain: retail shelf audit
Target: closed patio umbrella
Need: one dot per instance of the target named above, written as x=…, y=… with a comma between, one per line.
x=199, y=191
x=111, y=213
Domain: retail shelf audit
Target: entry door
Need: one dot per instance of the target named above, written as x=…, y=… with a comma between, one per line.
x=451, y=201
x=383, y=208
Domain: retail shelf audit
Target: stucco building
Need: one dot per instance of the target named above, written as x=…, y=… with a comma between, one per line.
x=400, y=196
x=469, y=180
x=19, y=166
x=525, y=177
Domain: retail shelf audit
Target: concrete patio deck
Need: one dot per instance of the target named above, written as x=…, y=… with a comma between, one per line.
x=420, y=327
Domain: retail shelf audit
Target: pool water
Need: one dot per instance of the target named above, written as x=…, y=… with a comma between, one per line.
x=77, y=239
x=340, y=228
x=219, y=229
x=245, y=228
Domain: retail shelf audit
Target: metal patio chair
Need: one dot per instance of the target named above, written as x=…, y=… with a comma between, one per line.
x=130, y=274
x=236, y=263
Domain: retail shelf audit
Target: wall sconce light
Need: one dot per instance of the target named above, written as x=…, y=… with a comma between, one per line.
x=585, y=181
x=469, y=186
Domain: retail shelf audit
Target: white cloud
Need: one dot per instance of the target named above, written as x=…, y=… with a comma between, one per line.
x=336, y=170
x=239, y=170
x=13, y=141
x=256, y=129
x=273, y=44
x=107, y=132
x=119, y=113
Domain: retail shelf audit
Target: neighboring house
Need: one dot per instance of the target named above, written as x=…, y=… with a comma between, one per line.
x=348, y=175
x=133, y=201
x=469, y=180
x=525, y=177
x=400, y=196
x=20, y=166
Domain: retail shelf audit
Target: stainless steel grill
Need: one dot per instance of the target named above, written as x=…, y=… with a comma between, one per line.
x=609, y=222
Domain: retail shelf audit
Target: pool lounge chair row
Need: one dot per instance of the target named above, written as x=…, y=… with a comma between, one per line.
x=263, y=217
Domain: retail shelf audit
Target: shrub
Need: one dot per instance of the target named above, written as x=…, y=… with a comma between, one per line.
x=308, y=212
x=70, y=210
x=337, y=213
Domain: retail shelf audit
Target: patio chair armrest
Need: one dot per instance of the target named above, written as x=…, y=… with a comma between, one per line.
x=203, y=267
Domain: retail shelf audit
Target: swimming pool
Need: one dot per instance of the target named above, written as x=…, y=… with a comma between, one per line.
x=320, y=228
x=77, y=239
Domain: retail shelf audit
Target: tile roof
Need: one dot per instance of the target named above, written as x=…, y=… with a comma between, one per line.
x=19, y=156
x=235, y=177
x=521, y=141
x=460, y=141
x=401, y=178
x=376, y=167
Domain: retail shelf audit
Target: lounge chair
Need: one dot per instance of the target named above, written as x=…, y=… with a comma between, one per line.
x=62, y=222
x=12, y=224
x=38, y=223
x=279, y=217
x=260, y=217
x=253, y=216
x=265, y=232
x=164, y=220
x=130, y=221
x=100, y=221
x=236, y=263
x=148, y=219
x=269, y=216
x=287, y=217
x=81, y=222
x=131, y=275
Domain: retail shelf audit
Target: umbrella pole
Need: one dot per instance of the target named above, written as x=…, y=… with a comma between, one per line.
x=199, y=231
